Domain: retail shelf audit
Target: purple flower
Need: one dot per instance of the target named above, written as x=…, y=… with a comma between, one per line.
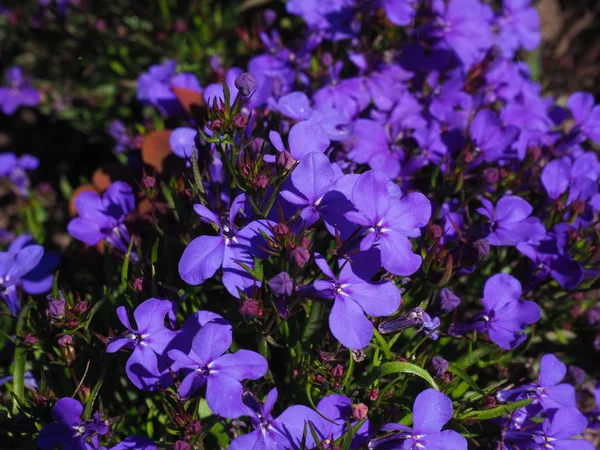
x=338, y=409
x=510, y=223
x=18, y=93
x=205, y=254
x=416, y=318
x=281, y=284
x=215, y=90
x=148, y=340
x=439, y=366
x=103, y=217
x=490, y=137
x=389, y=220
x=447, y=301
x=312, y=178
x=14, y=167
x=118, y=132
x=353, y=297
x=449, y=103
x=400, y=12
x=586, y=115
x=69, y=429
x=519, y=26
x=284, y=431
x=554, y=433
x=550, y=257
x=207, y=363
x=154, y=87
x=135, y=443
x=464, y=27
x=579, y=176
x=14, y=267
x=505, y=315
x=182, y=141
x=548, y=392
x=431, y=411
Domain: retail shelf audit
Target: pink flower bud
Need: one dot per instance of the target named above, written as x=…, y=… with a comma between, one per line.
x=360, y=411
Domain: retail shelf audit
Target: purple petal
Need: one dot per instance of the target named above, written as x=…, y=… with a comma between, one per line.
x=400, y=12
x=135, y=443
x=124, y=318
x=370, y=195
x=566, y=422
x=431, y=411
x=410, y=213
x=207, y=214
x=397, y=256
x=242, y=365
x=499, y=290
x=119, y=193
x=68, y=411
x=276, y=140
x=201, y=259
x=306, y=137
x=444, y=440
x=150, y=315
x=182, y=141
x=141, y=368
x=293, y=424
x=211, y=341
x=224, y=396
x=25, y=261
x=581, y=105
x=555, y=177
x=313, y=176
x=235, y=277
x=322, y=263
x=85, y=230
x=558, y=396
x=55, y=434
x=190, y=384
x=512, y=209
x=552, y=370
x=349, y=325
x=250, y=441
x=117, y=343
x=376, y=299
x=295, y=105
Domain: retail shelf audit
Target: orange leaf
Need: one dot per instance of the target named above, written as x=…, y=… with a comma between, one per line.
x=156, y=148
x=191, y=100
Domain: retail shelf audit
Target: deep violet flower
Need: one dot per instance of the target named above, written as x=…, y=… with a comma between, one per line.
x=554, y=433
x=492, y=138
x=431, y=411
x=389, y=220
x=18, y=92
x=222, y=373
x=205, y=254
x=505, y=315
x=519, y=24
x=103, y=217
x=353, y=297
x=510, y=221
x=586, y=115
x=148, y=340
x=14, y=267
x=15, y=168
x=284, y=431
x=69, y=429
x=548, y=391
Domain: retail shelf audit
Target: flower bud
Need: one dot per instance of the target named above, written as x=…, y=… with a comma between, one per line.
x=56, y=309
x=149, y=182
x=285, y=160
x=181, y=445
x=360, y=411
x=240, y=120
x=337, y=371
x=30, y=339
x=491, y=175
x=138, y=284
x=281, y=284
x=65, y=341
x=300, y=255
x=81, y=307
x=246, y=83
x=447, y=300
x=373, y=395
x=439, y=366
x=483, y=248
x=251, y=308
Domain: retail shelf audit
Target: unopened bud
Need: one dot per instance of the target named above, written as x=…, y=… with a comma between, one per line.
x=337, y=371
x=360, y=411
x=300, y=255
x=246, y=83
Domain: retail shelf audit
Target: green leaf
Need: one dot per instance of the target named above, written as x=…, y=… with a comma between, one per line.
x=470, y=359
x=465, y=377
x=396, y=367
x=20, y=359
x=125, y=268
x=89, y=406
x=498, y=411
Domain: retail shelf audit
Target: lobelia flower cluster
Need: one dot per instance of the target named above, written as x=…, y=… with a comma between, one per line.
x=396, y=229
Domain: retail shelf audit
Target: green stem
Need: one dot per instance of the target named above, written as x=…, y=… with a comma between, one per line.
x=20, y=359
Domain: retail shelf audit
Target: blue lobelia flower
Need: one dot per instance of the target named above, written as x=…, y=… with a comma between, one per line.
x=285, y=431
x=205, y=254
x=389, y=220
x=14, y=267
x=206, y=363
x=431, y=411
x=69, y=430
x=353, y=297
x=15, y=167
x=148, y=340
x=18, y=92
x=102, y=217
x=505, y=315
